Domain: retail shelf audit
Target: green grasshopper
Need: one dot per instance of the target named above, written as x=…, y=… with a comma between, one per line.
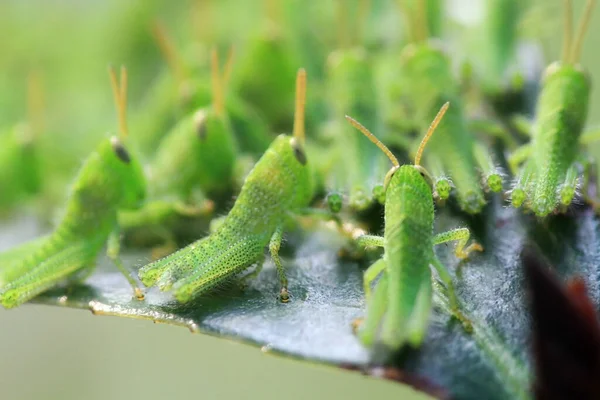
x=279, y=186
x=109, y=180
x=351, y=89
x=398, y=311
x=181, y=92
x=20, y=171
x=428, y=82
x=549, y=177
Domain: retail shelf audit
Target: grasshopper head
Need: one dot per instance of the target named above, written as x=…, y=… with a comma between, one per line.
x=424, y=174
x=126, y=174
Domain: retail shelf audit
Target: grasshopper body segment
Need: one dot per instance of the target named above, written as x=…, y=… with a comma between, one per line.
x=562, y=111
x=407, y=241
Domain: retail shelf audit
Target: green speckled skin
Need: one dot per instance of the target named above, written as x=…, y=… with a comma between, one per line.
x=105, y=184
x=428, y=81
x=351, y=90
x=560, y=116
x=199, y=152
x=278, y=185
x=409, y=215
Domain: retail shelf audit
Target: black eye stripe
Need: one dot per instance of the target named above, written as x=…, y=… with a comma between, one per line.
x=121, y=152
x=201, y=130
x=299, y=154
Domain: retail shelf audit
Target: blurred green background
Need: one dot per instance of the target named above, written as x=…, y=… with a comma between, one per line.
x=51, y=353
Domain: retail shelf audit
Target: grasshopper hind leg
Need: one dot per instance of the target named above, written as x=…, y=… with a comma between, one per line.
x=46, y=274
x=461, y=235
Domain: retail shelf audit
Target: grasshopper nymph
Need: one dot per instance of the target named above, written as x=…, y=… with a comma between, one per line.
x=111, y=179
x=548, y=178
x=279, y=186
x=398, y=312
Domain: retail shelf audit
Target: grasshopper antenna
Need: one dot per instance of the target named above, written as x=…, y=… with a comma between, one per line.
x=35, y=102
x=582, y=29
x=228, y=68
x=430, y=131
x=217, y=87
x=300, y=106
x=342, y=24
x=423, y=31
x=373, y=139
x=120, y=96
x=364, y=7
x=567, y=31
x=168, y=50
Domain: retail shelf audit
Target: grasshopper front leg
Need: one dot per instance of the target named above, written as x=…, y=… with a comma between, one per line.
x=370, y=241
x=274, y=246
x=376, y=309
x=454, y=305
x=519, y=156
x=112, y=251
x=462, y=236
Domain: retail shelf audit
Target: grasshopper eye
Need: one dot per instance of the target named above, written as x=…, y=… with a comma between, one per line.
x=423, y=172
x=298, y=152
x=120, y=151
x=300, y=156
x=389, y=175
x=200, y=124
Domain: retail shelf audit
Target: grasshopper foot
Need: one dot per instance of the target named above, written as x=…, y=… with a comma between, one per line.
x=356, y=324
x=284, y=295
x=464, y=254
x=139, y=294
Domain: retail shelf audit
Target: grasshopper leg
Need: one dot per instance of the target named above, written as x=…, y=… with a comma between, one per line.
x=376, y=309
x=168, y=246
x=347, y=230
x=495, y=130
x=462, y=236
x=590, y=182
x=491, y=174
x=252, y=274
x=43, y=276
x=522, y=125
x=371, y=274
x=186, y=210
x=370, y=241
x=590, y=136
x=274, y=246
x=454, y=305
x=569, y=186
x=518, y=157
x=113, y=249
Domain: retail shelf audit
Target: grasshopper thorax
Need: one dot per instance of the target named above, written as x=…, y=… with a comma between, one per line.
x=558, y=70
